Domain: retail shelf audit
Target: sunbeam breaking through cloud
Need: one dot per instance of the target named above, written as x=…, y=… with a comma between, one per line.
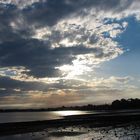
x=52, y=50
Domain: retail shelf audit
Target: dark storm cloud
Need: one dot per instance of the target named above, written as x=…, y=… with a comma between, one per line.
x=51, y=11
x=10, y=84
x=38, y=57
x=18, y=49
x=33, y=55
x=6, y=16
x=30, y=53
x=9, y=14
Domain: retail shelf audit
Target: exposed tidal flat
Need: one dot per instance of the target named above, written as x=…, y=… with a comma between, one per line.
x=105, y=126
x=130, y=131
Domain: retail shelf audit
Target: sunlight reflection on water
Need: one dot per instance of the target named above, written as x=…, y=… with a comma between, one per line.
x=37, y=116
x=70, y=112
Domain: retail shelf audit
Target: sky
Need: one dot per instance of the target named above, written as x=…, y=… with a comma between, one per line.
x=68, y=52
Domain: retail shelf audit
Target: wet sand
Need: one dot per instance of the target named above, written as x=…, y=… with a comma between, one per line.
x=113, y=119
x=128, y=131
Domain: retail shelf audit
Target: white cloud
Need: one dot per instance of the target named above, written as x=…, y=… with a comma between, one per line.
x=85, y=27
x=20, y=3
x=72, y=34
x=16, y=73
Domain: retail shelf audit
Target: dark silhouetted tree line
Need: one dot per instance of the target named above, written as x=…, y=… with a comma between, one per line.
x=115, y=105
x=126, y=104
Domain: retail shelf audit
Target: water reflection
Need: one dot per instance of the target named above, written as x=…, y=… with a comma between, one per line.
x=37, y=116
x=70, y=112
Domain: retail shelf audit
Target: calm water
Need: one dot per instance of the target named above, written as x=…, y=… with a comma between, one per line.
x=35, y=116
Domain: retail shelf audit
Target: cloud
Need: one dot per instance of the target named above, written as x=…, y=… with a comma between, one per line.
x=38, y=29
x=46, y=44
x=39, y=100
x=19, y=3
x=28, y=94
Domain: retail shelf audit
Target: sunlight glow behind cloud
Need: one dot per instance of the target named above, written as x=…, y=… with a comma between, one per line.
x=51, y=50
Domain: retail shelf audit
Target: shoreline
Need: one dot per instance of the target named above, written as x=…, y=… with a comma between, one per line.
x=95, y=120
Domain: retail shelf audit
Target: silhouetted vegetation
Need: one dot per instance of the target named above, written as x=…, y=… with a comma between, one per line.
x=126, y=104
x=115, y=105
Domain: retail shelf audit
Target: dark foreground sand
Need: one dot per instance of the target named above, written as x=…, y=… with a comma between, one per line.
x=130, y=131
x=110, y=126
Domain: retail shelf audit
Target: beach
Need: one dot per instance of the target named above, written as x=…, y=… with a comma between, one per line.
x=113, y=125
